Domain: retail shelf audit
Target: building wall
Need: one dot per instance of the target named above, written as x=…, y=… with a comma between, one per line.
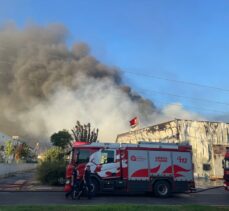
x=202, y=135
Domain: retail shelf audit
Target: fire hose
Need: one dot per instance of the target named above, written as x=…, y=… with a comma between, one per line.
x=211, y=188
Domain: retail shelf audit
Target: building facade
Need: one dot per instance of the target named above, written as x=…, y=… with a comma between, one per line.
x=208, y=140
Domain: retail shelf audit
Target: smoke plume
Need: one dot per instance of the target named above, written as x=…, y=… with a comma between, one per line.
x=45, y=86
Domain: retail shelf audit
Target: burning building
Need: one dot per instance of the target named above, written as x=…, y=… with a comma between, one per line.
x=208, y=140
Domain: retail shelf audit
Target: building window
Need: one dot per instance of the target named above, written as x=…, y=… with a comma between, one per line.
x=206, y=167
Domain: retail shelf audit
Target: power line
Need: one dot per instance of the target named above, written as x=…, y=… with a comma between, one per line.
x=151, y=76
x=176, y=81
x=207, y=110
x=195, y=99
x=161, y=93
x=160, y=78
x=203, y=109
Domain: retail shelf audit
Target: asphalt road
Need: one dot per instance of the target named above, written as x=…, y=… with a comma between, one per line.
x=211, y=197
x=217, y=196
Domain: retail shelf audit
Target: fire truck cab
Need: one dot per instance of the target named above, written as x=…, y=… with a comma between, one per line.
x=159, y=168
x=226, y=169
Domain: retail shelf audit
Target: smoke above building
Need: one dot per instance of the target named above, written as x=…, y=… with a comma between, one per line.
x=45, y=86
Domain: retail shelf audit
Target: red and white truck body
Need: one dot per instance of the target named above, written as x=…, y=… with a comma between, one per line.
x=226, y=170
x=135, y=168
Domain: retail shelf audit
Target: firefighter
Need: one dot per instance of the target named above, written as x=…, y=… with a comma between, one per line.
x=74, y=184
x=86, y=183
x=87, y=179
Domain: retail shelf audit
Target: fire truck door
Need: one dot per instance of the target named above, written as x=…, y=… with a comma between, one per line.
x=110, y=167
x=138, y=165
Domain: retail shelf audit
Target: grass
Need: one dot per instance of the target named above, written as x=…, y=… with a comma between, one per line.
x=118, y=207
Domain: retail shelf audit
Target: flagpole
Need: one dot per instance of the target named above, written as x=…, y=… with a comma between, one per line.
x=134, y=124
x=138, y=123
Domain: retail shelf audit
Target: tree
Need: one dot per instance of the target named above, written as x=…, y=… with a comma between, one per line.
x=26, y=151
x=61, y=139
x=9, y=148
x=22, y=151
x=85, y=133
x=2, y=154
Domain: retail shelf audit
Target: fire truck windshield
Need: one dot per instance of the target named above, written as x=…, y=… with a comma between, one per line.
x=81, y=156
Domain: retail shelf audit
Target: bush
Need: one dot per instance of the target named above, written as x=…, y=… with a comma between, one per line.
x=50, y=172
x=52, y=169
x=54, y=154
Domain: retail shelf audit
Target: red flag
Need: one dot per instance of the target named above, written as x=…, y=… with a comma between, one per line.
x=134, y=122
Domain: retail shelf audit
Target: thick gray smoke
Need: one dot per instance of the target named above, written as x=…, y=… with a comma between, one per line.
x=46, y=86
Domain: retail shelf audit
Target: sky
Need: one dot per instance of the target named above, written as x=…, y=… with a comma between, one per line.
x=155, y=44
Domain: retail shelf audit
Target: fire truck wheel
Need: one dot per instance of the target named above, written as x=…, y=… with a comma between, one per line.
x=162, y=189
x=94, y=187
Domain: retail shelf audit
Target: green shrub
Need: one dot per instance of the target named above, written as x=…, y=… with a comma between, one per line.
x=54, y=154
x=50, y=172
x=52, y=169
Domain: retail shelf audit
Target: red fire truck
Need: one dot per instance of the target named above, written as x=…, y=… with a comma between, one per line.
x=226, y=169
x=160, y=168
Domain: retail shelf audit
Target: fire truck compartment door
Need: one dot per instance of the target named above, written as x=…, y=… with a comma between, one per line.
x=138, y=165
x=160, y=163
x=182, y=164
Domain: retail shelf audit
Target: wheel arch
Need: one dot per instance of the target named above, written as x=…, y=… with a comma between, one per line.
x=167, y=179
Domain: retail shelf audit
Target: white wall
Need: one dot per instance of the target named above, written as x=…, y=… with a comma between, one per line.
x=6, y=168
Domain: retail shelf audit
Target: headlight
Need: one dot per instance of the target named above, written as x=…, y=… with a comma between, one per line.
x=68, y=181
